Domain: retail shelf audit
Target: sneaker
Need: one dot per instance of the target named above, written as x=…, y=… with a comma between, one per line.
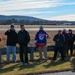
x=8, y=61
x=54, y=59
x=25, y=63
x=14, y=61
x=46, y=60
x=39, y=60
x=63, y=60
x=21, y=62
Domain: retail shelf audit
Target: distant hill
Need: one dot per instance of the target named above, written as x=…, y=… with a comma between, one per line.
x=19, y=17
x=27, y=20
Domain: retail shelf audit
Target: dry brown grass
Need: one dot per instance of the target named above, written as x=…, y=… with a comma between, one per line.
x=32, y=35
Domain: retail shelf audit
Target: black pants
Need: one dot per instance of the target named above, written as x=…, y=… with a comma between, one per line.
x=58, y=49
x=65, y=50
x=70, y=47
x=23, y=53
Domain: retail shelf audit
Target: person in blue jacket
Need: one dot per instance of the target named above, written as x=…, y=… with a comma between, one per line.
x=40, y=41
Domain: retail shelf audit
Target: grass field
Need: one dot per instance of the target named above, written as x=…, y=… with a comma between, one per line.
x=35, y=66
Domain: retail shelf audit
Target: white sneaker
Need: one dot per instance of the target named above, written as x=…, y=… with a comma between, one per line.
x=21, y=62
x=25, y=63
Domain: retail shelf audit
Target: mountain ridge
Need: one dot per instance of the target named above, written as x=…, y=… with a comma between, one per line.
x=19, y=17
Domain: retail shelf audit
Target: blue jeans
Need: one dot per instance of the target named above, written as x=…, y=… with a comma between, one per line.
x=13, y=50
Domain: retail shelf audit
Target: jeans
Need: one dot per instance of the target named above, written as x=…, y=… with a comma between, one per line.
x=13, y=50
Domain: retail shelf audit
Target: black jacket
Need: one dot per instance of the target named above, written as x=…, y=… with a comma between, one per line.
x=23, y=37
x=11, y=37
x=59, y=40
x=71, y=38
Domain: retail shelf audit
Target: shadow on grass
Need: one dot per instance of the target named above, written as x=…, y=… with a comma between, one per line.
x=33, y=64
x=7, y=69
x=73, y=64
x=55, y=63
x=11, y=66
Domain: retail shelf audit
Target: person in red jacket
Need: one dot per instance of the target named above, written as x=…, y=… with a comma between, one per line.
x=40, y=41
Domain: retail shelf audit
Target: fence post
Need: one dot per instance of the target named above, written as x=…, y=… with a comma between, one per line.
x=32, y=54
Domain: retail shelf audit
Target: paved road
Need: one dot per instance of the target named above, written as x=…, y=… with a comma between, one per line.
x=60, y=73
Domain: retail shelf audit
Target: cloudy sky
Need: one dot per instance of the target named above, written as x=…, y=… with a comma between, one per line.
x=45, y=9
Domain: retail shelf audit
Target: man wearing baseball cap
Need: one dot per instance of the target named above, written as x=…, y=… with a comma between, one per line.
x=40, y=40
x=11, y=43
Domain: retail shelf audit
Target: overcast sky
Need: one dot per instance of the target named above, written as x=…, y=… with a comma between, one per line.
x=45, y=9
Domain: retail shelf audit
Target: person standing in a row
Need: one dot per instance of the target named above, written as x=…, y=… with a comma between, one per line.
x=23, y=40
x=71, y=41
x=11, y=43
x=40, y=40
x=59, y=45
x=66, y=36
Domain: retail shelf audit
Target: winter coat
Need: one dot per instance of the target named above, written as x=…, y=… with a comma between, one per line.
x=66, y=37
x=59, y=40
x=40, y=38
x=11, y=37
x=23, y=37
x=71, y=38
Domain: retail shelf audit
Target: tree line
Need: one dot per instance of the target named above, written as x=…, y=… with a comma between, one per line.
x=33, y=22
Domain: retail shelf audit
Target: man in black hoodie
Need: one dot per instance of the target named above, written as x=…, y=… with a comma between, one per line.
x=11, y=43
x=71, y=41
x=59, y=44
x=23, y=40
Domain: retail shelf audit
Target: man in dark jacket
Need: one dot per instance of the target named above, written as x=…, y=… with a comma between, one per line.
x=59, y=44
x=11, y=43
x=23, y=40
x=66, y=42
x=71, y=41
